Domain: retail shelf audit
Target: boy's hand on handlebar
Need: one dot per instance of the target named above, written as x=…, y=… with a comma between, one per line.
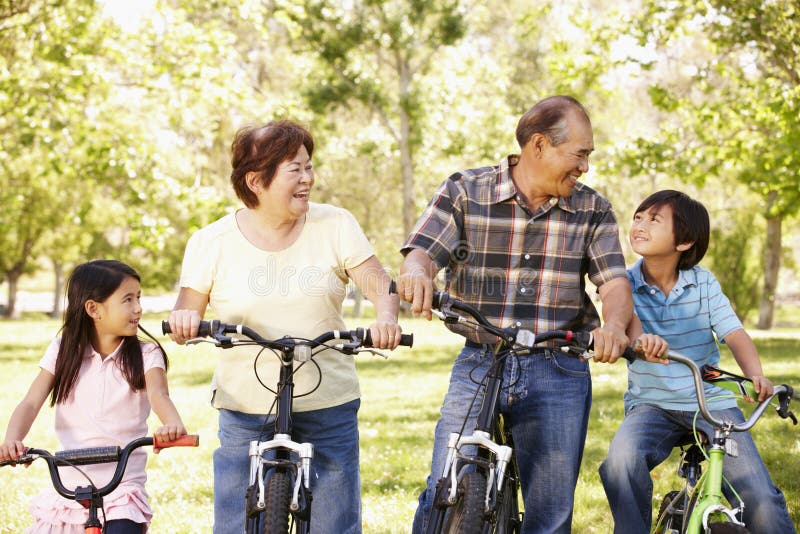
x=184, y=324
x=653, y=348
x=385, y=334
x=416, y=287
x=168, y=433
x=763, y=387
x=609, y=343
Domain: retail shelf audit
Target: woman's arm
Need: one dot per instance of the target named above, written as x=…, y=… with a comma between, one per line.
x=372, y=280
x=746, y=355
x=186, y=315
x=155, y=381
x=25, y=414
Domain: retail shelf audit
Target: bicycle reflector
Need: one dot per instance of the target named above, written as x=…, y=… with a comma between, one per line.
x=735, y=383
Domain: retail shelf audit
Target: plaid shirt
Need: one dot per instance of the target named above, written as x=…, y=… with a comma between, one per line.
x=517, y=266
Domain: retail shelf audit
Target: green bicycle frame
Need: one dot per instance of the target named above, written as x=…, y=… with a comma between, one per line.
x=710, y=488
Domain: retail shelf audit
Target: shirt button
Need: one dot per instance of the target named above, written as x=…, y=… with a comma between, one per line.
x=652, y=291
x=522, y=290
x=527, y=256
x=519, y=323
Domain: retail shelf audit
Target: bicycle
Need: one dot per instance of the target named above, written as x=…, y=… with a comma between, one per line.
x=699, y=506
x=91, y=497
x=278, y=497
x=479, y=493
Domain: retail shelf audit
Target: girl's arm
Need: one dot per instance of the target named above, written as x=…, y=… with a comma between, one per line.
x=25, y=414
x=158, y=394
x=746, y=355
x=374, y=283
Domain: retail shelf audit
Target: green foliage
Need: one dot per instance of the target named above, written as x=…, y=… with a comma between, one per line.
x=733, y=256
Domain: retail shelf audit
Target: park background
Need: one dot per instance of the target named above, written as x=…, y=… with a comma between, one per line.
x=115, y=126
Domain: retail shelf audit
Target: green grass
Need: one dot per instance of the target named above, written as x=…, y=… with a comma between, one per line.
x=401, y=398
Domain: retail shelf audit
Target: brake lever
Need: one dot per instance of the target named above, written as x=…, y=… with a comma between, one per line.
x=373, y=352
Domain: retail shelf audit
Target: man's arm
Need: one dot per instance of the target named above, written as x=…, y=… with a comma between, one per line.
x=415, y=284
x=610, y=339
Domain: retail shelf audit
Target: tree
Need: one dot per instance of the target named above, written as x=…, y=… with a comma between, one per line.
x=734, y=113
x=373, y=52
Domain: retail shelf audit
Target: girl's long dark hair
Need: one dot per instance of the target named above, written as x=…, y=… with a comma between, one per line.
x=96, y=280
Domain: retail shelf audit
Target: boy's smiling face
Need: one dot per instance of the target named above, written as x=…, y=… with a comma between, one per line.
x=652, y=233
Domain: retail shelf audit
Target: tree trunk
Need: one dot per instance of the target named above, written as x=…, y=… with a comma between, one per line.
x=11, y=311
x=58, y=298
x=772, y=264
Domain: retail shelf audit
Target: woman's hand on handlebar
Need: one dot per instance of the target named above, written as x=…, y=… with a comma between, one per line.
x=183, y=324
x=385, y=334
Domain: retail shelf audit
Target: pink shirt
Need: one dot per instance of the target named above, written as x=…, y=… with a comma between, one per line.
x=101, y=410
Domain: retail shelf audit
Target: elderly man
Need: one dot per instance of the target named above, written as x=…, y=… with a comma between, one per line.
x=517, y=240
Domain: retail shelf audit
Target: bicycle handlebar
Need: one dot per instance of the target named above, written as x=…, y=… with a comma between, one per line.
x=96, y=455
x=445, y=302
x=218, y=330
x=784, y=393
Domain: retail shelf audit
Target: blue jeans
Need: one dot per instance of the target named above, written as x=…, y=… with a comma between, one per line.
x=545, y=401
x=646, y=437
x=335, y=479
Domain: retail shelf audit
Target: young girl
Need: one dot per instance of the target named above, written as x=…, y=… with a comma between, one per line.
x=102, y=381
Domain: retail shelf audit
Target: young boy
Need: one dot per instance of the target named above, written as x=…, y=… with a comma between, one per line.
x=682, y=303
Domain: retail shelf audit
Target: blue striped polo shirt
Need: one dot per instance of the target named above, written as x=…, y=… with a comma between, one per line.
x=694, y=315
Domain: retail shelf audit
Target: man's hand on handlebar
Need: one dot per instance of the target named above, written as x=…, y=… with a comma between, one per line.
x=416, y=287
x=183, y=324
x=609, y=343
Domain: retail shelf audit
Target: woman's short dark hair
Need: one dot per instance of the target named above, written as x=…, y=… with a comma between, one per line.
x=549, y=118
x=262, y=149
x=690, y=223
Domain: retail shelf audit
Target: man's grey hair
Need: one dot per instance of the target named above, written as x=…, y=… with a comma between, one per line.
x=549, y=118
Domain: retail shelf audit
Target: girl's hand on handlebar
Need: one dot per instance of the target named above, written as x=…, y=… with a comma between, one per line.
x=184, y=324
x=385, y=334
x=168, y=433
x=11, y=449
x=763, y=387
x=653, y=348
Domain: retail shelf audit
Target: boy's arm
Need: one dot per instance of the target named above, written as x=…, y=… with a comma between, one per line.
x=746, y=355
x=158, y=394
x=25, y=414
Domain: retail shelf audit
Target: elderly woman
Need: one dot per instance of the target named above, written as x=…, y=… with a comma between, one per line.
x=280, y=265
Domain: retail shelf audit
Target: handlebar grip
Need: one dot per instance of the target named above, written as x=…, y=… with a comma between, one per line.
x=203, y=330
x=95, y=455
x=19, y=460
x=406, y=340
x=630, y=354
x=188, y=440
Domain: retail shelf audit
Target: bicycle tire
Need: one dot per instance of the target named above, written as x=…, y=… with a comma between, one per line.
x=278, y=498
x=507, y=519
x=466, y=515
x=669, y=522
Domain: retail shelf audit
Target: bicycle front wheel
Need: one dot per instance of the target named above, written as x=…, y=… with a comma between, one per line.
x=507, y=519
x=278, y=498
x=466, y=515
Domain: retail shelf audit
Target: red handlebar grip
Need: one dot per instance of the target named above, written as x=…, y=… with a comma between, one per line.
x=189, y=440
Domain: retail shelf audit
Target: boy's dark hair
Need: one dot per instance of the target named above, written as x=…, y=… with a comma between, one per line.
x=690, y=223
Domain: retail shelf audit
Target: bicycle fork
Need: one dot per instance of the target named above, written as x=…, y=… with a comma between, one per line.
x=710, y=502
x=282, y=444
x=496, y=470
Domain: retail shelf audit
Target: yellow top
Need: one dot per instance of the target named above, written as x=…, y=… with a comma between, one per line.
x=297, y=292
